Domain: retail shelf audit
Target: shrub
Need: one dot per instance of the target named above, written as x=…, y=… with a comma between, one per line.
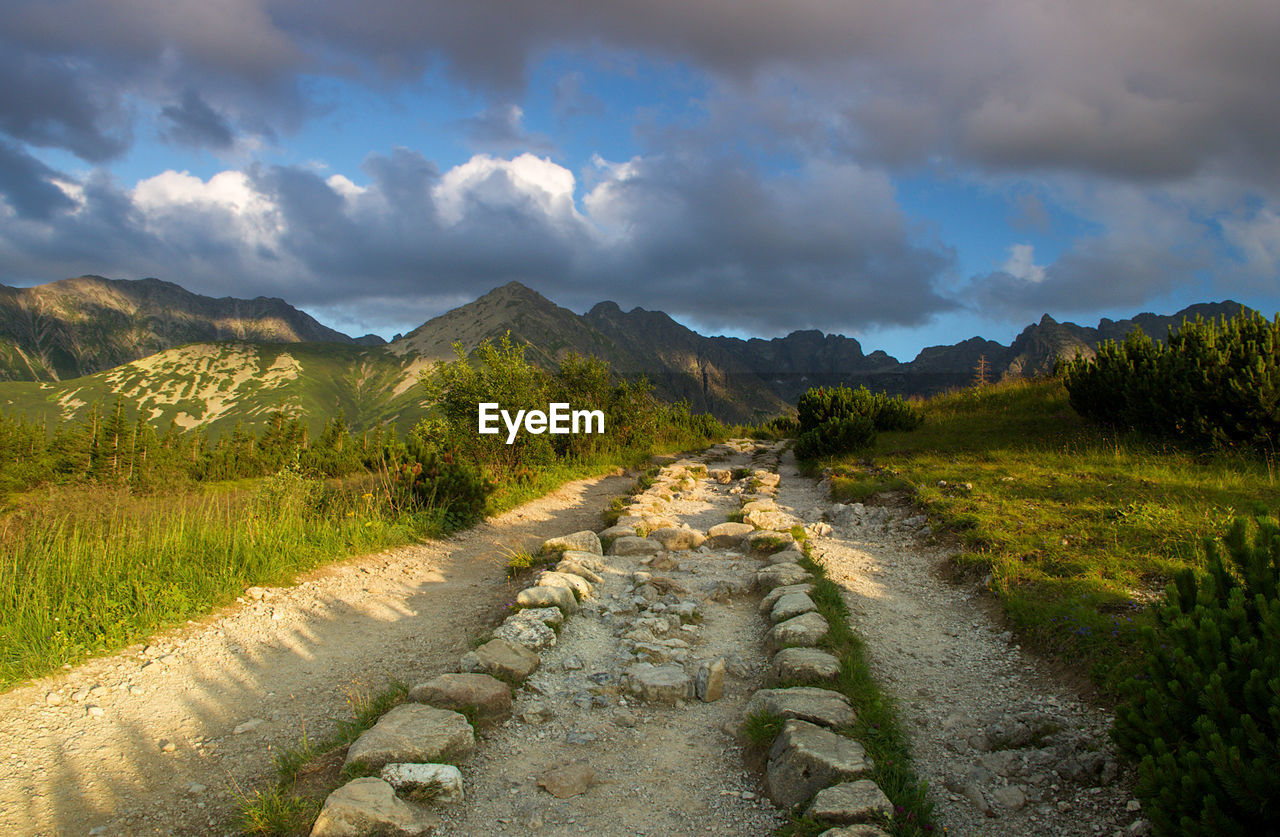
x=835, y=437
x=1210, y=383
x=1204, y=719
x=820, y=405
x=435, y=480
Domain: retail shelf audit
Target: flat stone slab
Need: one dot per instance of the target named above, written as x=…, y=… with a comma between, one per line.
x=659, y=684
x=767, y=542
x=425, y=783
x=850, y=802
x=805, y=758
x=764, y=504
x=567, y=779
x=414, y=733
x=791, y=553
x=369, y=806
x=729, y=535
x=806, y=630
x=771, y=519
x=579, y=585
x=540, y=596
x=572, y=567
x=487, y=696
x=502, y=659
x=860, y=830
x=806, y=703
x=618, y=531
x=780, y=575
x=790, y=606
x=676, y=539
x=584, y=541
x=633, y=545
x=771, y=598
x=520, y=629
x=806, y=665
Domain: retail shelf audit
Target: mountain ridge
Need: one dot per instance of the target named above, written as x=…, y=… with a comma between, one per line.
x=197, y=383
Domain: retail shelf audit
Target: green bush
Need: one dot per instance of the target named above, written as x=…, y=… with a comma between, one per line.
x=820, y=405
x=436, y=480
x=1214, y=384
x=1203, y=720
x=835, y=437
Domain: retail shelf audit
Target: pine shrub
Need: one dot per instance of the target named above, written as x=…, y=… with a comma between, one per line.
x=839, y=420
x=1203, y=720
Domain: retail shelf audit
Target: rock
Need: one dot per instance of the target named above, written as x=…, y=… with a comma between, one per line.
x=806, y=630
x=485, y=696
x=771, y=519
x=659, y=684
x=528, y=633
x=574, y=568
x=535, y=712
x=859, y=830
x=804, y=665
x=676, y=539
x=768, y=479
x=542, y=596
x=709, y=684
x=766, y=504
x=728, y=535
x=780, y=575
x=589, y=560
x=767, y=542
x=579, y=585
x=771, y=598
x=850, y=802
x=584, y=541
x=790, y=606
x=722, y=476
x=423, y=783
x=53, y=699
x=549, y=616
x=94, y=710
x=663, y=563
x=503, y=660
x=615, y=532
x=806, y=703
x=256, y=593
x=806, y=758
x=819, y=529
x=1009, y=797
x=247, y=726
x=369, y=806
x=416, y=733
x=567, y=779
x=632, y=545
x=787, y=555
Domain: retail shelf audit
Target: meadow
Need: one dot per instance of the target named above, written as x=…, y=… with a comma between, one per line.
x=1076, y=528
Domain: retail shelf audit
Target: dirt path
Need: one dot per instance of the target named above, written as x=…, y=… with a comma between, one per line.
x=663, y=766
x=158, y=742
x=1006, y=748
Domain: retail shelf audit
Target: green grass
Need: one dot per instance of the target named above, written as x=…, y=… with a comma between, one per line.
x=280, y=810
x=88, y=571
x=878, y=727
x=1078, y=527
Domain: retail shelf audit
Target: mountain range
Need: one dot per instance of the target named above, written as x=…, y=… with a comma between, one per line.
x=205, y=362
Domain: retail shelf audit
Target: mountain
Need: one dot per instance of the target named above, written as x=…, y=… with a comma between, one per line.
x=80, y=326
x=281, y=358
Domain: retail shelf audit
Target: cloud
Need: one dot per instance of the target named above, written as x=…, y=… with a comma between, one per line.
x=28, y=186
x=826, y=247
x=499, y=129
x=193, y=122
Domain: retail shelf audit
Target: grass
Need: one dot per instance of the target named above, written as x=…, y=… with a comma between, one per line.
x=1076, y=528
x=286, y=808
x=878, y=727
x=88, y=571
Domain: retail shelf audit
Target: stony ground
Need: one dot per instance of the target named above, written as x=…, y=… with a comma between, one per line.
x=629, y=723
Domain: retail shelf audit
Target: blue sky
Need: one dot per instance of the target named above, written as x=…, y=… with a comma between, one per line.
x=910, y=174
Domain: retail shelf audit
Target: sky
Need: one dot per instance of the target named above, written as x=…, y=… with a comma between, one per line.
x=909, y=173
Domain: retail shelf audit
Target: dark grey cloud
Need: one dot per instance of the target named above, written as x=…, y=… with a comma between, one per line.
x=27, y=184
x=193, y=122
x=48, y=102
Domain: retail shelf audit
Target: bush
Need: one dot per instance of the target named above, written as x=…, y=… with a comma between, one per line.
x=436, y=480
x=836, y=437
x=820, y=405
x=1213, y=384
x=1204, y=719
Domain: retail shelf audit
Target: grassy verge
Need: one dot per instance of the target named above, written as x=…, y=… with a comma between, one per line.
x=878, y=727
x=290, y=806
x=1076, y=528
